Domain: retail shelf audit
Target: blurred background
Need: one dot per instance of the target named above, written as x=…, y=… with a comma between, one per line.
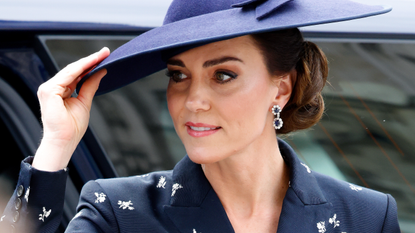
x=365, y=136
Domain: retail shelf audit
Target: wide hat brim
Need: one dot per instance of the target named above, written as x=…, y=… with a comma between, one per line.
x=142, y=56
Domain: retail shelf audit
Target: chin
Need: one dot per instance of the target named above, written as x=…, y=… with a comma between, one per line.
x=204, y=155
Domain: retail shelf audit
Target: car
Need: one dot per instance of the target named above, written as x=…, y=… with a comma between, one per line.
x=365, y=136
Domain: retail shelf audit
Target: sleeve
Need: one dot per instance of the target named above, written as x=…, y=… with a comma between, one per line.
x=95, y=212
x=37, y=202
x=390, y=224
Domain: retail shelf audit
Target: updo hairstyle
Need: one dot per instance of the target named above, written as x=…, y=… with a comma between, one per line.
x=284, y=51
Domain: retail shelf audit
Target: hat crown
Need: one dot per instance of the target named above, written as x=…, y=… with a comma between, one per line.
x=183, y=9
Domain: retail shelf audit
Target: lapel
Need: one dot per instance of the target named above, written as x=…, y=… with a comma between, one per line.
x=304, y=204
x=195, y=207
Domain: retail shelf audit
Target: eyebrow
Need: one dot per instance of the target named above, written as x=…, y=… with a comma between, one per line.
x=206, y=64
x=220, y=60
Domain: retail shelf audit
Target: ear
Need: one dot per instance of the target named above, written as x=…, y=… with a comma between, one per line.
x=285, y=85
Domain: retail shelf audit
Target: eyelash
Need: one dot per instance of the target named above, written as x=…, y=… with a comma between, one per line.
x=232, y=75
x=171, y=73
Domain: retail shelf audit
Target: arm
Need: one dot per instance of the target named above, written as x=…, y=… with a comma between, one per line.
x=95, y=213
x=65, y=120
x=390, y=223
x=37, y=203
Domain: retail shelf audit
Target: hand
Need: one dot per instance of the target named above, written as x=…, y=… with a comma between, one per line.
x=65, y=118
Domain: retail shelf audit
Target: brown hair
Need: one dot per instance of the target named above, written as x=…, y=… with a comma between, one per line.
x=284, y=51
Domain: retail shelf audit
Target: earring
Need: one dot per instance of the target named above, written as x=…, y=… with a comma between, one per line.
x=276, y=110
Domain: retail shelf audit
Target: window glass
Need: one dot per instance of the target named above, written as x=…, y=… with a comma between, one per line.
x=132, y=123
x=365, y=136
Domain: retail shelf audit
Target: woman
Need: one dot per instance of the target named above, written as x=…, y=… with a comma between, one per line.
x=230, y=92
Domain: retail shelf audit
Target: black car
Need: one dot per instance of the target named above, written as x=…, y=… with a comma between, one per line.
x=365, y=136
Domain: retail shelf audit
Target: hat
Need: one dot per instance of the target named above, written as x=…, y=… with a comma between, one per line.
x=190, y=23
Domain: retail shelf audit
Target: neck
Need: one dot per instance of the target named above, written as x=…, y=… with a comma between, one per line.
x=251, y=183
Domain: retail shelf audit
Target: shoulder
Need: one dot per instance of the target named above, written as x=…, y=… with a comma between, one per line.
x=127, y=203
x=361, y=206
x=142, y=186
x=334, y=188
x=154, y=179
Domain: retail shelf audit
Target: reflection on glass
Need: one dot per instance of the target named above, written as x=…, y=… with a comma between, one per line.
x=365, y=136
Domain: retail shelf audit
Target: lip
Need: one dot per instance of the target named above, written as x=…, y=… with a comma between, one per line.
x=204, y=133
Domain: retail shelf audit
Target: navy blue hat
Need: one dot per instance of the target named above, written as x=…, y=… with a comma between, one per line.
x=190, y=23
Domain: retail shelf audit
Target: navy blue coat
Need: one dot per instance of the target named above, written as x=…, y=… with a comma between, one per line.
x=182, y=200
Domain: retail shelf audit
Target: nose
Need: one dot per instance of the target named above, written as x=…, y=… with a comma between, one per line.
x=198, y=96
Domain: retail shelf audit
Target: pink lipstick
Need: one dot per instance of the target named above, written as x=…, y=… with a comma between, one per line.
x=200, y=129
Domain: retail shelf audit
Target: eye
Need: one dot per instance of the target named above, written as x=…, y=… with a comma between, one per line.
x=175, y=75
x=224, y=77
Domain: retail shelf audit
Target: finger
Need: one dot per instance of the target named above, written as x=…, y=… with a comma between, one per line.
x=69, y=75
x=67, y=93
x=89, y=88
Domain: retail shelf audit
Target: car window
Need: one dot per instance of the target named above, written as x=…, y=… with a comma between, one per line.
x=365, y=136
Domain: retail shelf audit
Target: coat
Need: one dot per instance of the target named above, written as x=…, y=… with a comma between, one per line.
x=182, y=200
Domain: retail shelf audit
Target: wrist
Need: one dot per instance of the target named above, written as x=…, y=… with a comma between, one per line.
x=53, y=155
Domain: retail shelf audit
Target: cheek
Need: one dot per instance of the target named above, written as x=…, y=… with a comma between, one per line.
x=174, y=104
x=248, y=108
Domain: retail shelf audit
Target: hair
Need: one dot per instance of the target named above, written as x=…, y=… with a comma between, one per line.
x=285, y=51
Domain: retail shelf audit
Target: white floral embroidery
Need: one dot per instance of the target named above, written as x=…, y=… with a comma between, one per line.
x=126, y=204
x=334, y=221
x=142, y=176
x=321, y=226
x=100, y=197
x=355, y=188
x=26, y=195
x=308, y=169
x=194, y=231
x=2, y=217
x=45, y=214
x=175, y=187
x=162, y=182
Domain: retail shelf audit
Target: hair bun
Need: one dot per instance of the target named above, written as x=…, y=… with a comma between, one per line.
x=306, y=105
x=284, y=51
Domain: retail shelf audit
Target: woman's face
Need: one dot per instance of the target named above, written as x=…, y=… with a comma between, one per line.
x=219, y=97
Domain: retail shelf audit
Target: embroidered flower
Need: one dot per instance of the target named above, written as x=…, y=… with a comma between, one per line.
x=355, y=188
x=175, y=187
x=2, y=217
x=26, y=195
x=162, y=182
x=100, y=197
x=126, y=204
x=45, y=214
x=308, y=169
x=321, y=226
x=334, y=221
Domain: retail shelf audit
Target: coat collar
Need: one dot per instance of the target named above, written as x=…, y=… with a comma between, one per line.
x=196, y=206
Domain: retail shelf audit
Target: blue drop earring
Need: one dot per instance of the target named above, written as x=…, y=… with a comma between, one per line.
x=276, y=110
